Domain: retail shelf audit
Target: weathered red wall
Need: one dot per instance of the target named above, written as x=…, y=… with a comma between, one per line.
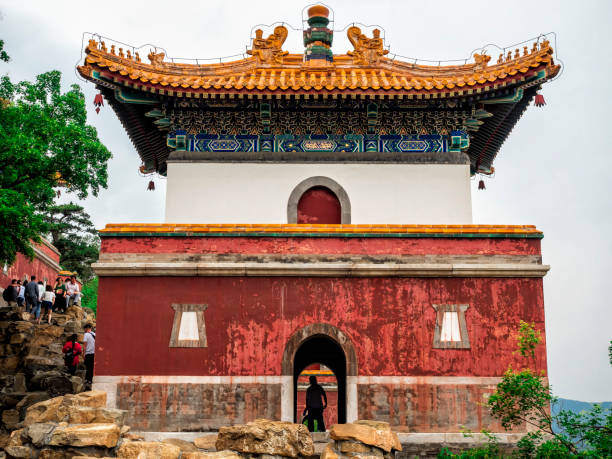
x=315, y=245
x=24, y=266
x=249, y=320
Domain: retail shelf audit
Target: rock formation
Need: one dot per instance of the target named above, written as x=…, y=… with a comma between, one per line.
x=362, y=439
x=274, y=438
x=31, y=361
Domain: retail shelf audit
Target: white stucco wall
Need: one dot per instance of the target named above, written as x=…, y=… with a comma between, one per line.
x=203, y=192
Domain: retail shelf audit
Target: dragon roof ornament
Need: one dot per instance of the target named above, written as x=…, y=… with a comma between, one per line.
x=269, y=50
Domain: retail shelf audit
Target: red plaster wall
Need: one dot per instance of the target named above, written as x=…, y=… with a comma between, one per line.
x=249, y=320
x=308, y=245
x=23, y=266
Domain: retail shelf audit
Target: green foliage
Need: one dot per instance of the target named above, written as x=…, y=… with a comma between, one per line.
x=75, y=236
x=3, y=55
x=521, y=397
x=44, y=143
x=20, y=224
x=489, y=451
x=534, y=445
x=528, y=338
x=589, y=430
x=524, y=397
x=90, y=295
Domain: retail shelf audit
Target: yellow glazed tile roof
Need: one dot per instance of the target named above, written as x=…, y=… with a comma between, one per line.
x=366, y=69
x=296, y=229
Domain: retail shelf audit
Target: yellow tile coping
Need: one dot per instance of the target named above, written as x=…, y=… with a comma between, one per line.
x=311, y=228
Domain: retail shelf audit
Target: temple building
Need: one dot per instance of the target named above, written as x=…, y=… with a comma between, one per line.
x=318, y=212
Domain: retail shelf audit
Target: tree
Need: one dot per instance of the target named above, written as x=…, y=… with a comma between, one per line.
x=75, y=236
x=90, y=295
x=524, y=397
x=44, y=143
x=3, y=55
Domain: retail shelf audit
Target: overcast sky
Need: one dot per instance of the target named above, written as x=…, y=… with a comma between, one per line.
x=554, y=171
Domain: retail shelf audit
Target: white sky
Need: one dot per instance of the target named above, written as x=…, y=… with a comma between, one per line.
x=554, y=170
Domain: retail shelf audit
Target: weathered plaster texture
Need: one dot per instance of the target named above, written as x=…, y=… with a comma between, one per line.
x=196, y=407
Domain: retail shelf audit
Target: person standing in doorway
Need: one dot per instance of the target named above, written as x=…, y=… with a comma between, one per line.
x=316, y=402
x=89, y=341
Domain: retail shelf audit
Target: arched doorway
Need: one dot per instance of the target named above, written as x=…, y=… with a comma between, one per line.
x=319, y=192
x=319, y=205
x=330, y=346
x=321, y=349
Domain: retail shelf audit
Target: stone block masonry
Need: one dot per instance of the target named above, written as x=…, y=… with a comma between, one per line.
x=196, y=407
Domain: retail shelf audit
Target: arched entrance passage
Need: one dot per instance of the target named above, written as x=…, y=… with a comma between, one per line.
x=325, y=344
x=324, y=350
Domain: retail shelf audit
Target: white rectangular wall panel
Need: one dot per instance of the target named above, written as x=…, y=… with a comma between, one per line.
x=207, y=192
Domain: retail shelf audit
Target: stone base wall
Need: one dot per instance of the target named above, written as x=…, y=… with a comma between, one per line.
x=428, y=407
x=196, y=407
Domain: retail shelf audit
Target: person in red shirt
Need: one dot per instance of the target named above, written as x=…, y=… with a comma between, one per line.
x=71, y=351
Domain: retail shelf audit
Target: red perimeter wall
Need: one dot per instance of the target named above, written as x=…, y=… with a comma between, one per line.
x=37, y=266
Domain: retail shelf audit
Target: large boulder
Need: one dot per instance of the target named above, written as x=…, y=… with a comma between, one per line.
x=86, y=415
x=206, y=442
x=39, y=434
x=329, y=452
x=148, y=450
x=43, y=411
x=262, y=436
x=63, y=452
x=184, y=445
x=20, y=452
x=62, y=408
x=10, y=419
x=45, y=335
x=9, y=362
x=106, y=435
x=55, y=382
x=211, y=455
x=36, y=363
x=373, y=433
x=91, y=399
x=75, y=313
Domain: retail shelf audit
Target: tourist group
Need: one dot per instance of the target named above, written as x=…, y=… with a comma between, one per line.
x=38, y=295
x=40, y=299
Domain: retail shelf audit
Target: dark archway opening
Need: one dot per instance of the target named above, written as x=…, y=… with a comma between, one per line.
x=323, y=350
x=319, y=205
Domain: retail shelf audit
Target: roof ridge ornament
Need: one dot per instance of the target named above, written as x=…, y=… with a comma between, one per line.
x=318, y=38
x=482, y=61
x=367, y=51
x=269, y=50
x=157, y=59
